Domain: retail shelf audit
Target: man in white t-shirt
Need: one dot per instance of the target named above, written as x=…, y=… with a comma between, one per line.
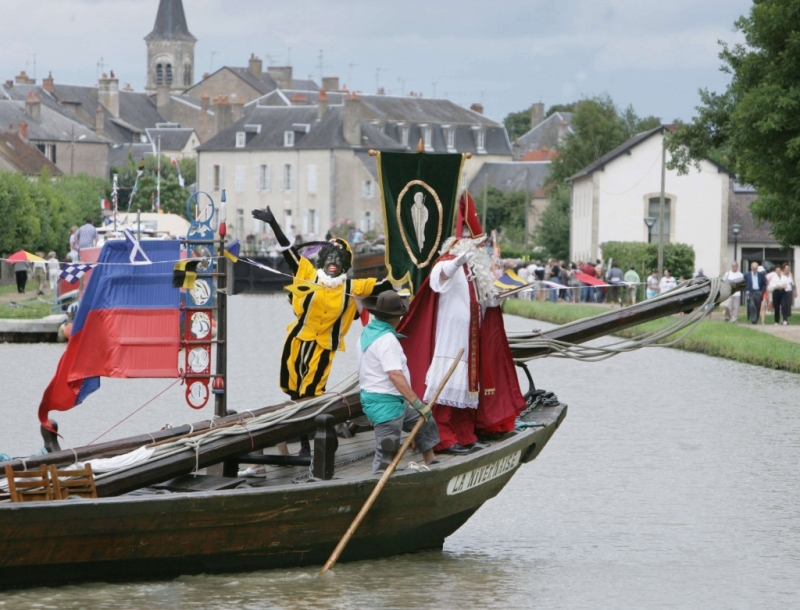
x=732, y=304
x=387, y=398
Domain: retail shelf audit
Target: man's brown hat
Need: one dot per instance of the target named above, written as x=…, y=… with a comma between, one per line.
x=387, y=304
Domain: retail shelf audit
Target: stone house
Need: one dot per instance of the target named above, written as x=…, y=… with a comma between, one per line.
x=308, y=159
x=17, y=154
x=539, y=144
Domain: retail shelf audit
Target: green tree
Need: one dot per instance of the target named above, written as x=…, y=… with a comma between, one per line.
x=505, y=213
x=561, y=108
x=598, y=127
x=753, y=127
x=173, y=196
x=518, y=123
x=20, y=227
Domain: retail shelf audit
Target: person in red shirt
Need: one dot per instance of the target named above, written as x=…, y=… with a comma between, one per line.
x=587, y=294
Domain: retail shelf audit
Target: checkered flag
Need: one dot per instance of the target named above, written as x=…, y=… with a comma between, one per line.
x=72, y=273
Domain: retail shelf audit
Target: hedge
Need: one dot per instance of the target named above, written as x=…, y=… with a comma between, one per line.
x=678, y=258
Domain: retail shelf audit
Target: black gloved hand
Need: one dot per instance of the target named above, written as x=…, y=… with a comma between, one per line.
x=264, y=215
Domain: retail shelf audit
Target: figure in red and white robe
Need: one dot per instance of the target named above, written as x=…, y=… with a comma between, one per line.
x=454, y=309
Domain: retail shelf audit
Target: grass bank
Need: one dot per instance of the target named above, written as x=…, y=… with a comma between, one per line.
x=25, y=310
x=711, y=337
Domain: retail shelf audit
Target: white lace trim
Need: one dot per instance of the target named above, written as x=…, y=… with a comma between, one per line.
x=456, y=393
x=330, y=282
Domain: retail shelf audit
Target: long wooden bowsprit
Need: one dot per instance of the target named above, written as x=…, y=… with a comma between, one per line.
x=389, y=471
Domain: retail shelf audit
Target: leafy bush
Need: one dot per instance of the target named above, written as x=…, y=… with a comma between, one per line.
x=678, y=258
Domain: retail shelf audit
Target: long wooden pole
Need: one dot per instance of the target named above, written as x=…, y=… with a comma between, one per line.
x=389, y=471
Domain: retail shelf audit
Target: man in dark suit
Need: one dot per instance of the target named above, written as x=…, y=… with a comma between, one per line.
x=755, y=287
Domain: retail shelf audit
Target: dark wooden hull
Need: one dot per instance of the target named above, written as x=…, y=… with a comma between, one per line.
x=151, y=537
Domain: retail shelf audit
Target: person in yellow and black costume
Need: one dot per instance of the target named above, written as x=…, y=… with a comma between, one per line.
x=323, y=300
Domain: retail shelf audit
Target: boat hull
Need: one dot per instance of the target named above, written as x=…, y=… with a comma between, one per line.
x=152, y=537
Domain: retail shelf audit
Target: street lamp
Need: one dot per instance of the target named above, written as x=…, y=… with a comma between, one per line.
x=736, y=228
x=650, y=221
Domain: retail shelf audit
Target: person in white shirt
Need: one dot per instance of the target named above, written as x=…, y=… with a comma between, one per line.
x=735, y=300
x=387, y=397
x=791, y=290
x=777, y=288
x=667, y=282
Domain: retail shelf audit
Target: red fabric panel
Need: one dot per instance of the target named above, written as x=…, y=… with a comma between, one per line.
x=419, y=328
x=497, y=411
x=129, y=343
x=456, y=426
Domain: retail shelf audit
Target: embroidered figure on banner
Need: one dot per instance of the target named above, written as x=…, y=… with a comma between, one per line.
x=419, y=215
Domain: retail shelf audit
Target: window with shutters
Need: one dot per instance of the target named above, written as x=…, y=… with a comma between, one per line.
x=367, y=189
x=313, y=221
x=264, y=179
x=169, y=74
x=159, y=74
x=654, y=208
x=240, y=139
x=451, y=139
x=240, y=178
x=288, y=138
x=312, y=179
x=240, y=224
x=288, y=177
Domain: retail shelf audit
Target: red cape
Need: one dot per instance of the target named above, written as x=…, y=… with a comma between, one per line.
x=497, y=410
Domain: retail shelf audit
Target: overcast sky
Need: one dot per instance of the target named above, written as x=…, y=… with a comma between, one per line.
x=653, y=54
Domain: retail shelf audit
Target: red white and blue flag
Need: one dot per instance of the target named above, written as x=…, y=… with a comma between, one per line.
x=127, y=325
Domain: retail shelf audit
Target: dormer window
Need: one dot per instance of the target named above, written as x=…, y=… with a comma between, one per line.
x=427, y=137
x=288, y=138
x=450, y=137
x=403, y=130
x=240, y=139
x=480, y=139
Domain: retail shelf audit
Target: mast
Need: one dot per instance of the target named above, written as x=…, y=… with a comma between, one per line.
x=220, y=400
x=158, y=176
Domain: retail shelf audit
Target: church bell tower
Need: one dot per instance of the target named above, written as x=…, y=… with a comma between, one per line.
x=170, y=49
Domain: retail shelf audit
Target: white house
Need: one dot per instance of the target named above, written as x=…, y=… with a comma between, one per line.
x=612, y=197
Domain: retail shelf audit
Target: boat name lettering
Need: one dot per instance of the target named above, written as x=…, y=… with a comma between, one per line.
x=476, y=477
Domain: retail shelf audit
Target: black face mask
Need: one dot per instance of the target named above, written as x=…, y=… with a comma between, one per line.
x=333, y=260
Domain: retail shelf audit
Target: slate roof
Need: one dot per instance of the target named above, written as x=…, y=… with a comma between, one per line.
x=170, y=22
x=391, y=113
x=512, y=176
x=545, y=134
x=24, y=157
x=53, y=127
x=118, y=153
x=324, y=133
x=171, y=138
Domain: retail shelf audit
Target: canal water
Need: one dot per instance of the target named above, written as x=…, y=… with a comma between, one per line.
x=672, y=483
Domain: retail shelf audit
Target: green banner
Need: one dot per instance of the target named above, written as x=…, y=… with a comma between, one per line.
x=419, y=196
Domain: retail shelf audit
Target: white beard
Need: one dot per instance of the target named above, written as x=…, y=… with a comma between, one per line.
x=479, y=269
x=330, y=282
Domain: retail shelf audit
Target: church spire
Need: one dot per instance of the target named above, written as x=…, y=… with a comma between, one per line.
x=170, y=22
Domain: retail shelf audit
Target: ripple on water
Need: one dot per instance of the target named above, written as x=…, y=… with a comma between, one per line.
x=671, y=483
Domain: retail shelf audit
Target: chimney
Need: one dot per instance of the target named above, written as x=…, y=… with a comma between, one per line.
x=351, y=127
x=330, y=83
x=537, y=114
x=47, y=83
x=33, y=107
x=381, y=91
x=237, y=108
x=563, y=130
x=127, y=87
x=515, y=151
x=22, y=79
x=255, y=65
x=100, y=121
x=282, y=75
x=23, y=130
x=322, y=104
x=10, y=84
x=222, y=113
x=477, y=108
x=299, y=99
x=205, y=101
x=108, y=94
x=163, y=101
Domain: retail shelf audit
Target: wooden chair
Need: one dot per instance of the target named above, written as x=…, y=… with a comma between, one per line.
x=68, y=483
x=29, y=485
